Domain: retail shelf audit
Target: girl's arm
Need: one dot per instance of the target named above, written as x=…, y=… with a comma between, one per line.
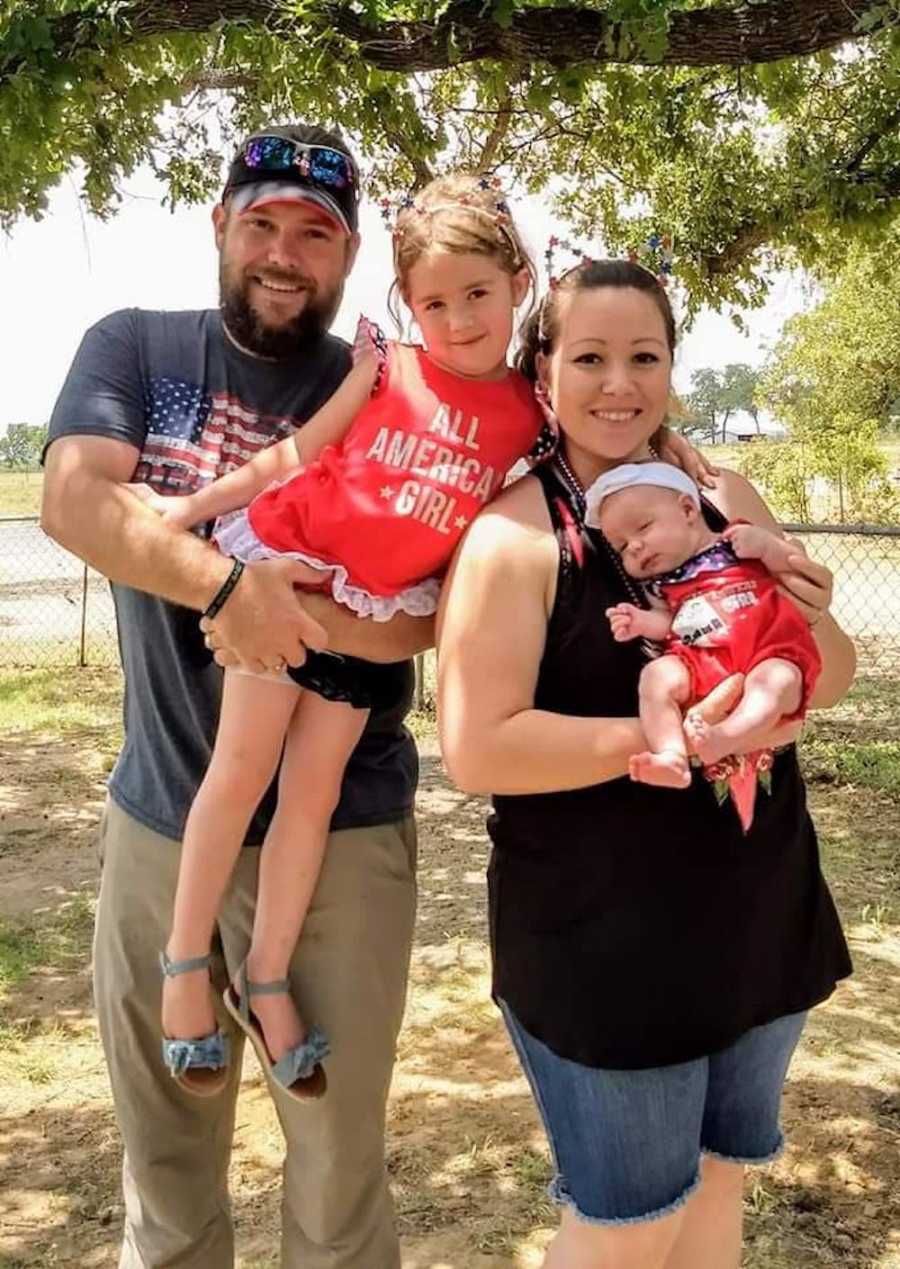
x=491, y=630
x=807, y=583
x=327, y=426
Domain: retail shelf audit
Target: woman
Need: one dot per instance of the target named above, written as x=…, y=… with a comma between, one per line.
x=654, y=965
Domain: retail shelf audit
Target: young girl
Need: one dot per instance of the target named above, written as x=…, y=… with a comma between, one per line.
x=715, y=604
x=394, y=468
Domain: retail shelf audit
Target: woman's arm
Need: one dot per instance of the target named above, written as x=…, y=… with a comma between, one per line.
x=491, y=630
x=807, y=583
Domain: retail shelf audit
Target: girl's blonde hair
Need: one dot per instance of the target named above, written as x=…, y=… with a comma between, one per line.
x=460, y=214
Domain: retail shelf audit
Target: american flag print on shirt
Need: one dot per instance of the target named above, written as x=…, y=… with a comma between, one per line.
x=194, y=437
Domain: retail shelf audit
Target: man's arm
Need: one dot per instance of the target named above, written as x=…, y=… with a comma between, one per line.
x=89, y=512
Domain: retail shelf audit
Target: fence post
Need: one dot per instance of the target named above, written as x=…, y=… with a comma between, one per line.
x=82, y=661
x=420, y=681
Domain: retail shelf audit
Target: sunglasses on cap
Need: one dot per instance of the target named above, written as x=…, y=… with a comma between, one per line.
x=319, y=164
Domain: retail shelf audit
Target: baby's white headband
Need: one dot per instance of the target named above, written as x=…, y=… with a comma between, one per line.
x=663, y=475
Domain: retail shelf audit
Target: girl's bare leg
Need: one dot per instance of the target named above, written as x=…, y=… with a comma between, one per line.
x=321, y=737
x=664, y=687
x=772, y=690
x=253, y=720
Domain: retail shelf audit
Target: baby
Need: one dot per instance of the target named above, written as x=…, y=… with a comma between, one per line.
x=716, y=607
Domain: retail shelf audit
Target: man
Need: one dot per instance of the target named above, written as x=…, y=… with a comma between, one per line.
x=172, y=400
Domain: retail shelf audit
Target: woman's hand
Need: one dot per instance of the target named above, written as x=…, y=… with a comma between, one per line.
x=719, y=704
x=808, y=584
x=674, y=448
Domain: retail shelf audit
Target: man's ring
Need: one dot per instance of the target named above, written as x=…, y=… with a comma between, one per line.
x=208, y=640
x=280, y=666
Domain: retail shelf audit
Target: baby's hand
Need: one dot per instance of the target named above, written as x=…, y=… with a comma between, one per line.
x=749, y=541
x=623, y=621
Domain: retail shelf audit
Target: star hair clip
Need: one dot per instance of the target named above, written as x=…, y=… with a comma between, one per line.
x=556, y=245
x=391, y=208
x=656, y=256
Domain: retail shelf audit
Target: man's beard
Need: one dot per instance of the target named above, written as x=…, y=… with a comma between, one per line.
x=276, y=343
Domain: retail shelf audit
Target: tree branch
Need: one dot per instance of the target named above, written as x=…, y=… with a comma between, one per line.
x=566, y=36
x=757, y=31
x=888, y=126
x=496, y=135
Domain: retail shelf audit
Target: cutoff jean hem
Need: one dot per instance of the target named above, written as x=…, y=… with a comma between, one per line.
x=558, y=1194
x=748, y=1161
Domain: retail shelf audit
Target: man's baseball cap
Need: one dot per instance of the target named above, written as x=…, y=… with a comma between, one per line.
x=296, y=163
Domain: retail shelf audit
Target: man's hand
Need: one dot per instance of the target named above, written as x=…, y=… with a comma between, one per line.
x=677, y=449
x=263, y=625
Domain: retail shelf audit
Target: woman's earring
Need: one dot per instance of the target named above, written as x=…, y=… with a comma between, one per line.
x=548, y=438
x=543, y=401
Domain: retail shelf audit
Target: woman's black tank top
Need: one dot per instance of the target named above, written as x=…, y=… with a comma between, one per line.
x=631, y=926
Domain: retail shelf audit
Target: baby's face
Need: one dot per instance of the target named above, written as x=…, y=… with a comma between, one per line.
x=653, y=529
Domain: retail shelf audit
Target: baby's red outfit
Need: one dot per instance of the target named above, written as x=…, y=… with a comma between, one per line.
x=383, y=511
x=728, y=615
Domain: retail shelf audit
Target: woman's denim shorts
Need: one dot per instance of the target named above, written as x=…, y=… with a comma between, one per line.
x=627, y=1144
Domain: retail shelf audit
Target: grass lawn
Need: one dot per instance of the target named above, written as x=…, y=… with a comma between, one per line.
x=20, y=492
x=468, y=1162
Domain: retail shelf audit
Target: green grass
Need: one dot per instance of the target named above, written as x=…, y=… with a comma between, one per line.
x=58, y=939
x=62, y=700
x=871, y=764
x=21, y=951
x=20, y=493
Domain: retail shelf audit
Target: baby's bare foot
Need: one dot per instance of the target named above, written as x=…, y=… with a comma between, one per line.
x=187, y=1006
x=706, y=739
x=667, y=770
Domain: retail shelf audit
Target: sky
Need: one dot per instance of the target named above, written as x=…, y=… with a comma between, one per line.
x=61, y=274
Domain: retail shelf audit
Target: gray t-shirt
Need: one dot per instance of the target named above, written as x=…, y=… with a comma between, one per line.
x=196, y=407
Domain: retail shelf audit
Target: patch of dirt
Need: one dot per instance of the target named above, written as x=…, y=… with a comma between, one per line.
x=468, y=1161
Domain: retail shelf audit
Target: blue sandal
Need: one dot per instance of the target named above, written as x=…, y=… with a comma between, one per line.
x=299, y=1071
x=198, y=1066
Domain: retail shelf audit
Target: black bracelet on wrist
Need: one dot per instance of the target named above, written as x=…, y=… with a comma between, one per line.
x=218, y=600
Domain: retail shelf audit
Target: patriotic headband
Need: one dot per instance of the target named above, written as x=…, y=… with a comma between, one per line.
x=499, y=214
x=654, y=255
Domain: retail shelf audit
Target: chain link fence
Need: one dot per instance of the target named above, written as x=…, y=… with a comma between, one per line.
x=55, y=611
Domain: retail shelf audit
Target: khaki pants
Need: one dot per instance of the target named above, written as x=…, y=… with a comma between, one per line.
x=349, y=975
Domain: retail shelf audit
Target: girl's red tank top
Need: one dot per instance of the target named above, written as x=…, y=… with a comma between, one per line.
x=424, y=455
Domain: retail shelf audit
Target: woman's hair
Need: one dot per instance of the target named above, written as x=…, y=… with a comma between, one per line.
x=456, y=213
x=540, y=330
